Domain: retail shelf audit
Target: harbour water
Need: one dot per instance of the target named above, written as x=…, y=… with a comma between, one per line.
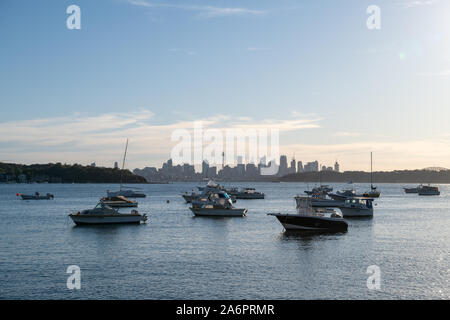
x=178, y=256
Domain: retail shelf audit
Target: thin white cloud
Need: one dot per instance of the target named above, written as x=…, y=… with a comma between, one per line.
x=418, y=3
x=443, y=73
x=206, y=11
x=252, y=49
x=185, y=51
x=347, y=134
x=388, y=155
x=84, y=139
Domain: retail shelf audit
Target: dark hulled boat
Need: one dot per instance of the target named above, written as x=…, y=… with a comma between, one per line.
x=311, y=219
x=310, y=223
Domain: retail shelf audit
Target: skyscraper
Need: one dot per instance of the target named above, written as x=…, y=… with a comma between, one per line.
x=283, y=166
x=299, y=166
x=292, y=169
x=205, y=168
x=336, y=166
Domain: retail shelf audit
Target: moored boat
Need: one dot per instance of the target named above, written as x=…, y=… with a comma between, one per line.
x=412, y=190
x=218, y=204
x=119, y=202
x=357, y=207
x=373, y=193
x=104, y=214
x=428, y=191
x=37, y=196
x=247, y=193
x=309, y=219
x=128, y=193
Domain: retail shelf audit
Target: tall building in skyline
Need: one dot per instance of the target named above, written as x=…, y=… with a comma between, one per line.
x=299, y=166
x=262, y=161
x=283, y=166
x=292, y=168
x=205, y=168
x=312, y=166
x=336, y=166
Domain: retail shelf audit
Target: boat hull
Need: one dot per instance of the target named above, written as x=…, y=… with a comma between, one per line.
x=427, y=193
x=25, y=197
x=126, y=194
x=107, y=219
x=356, y=212
x=326, y=203
x=411, y=190
x=293, y=222
x=249, y=196
x=207, y=212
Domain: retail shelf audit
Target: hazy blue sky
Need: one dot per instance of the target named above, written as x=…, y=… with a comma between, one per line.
x=140, y=69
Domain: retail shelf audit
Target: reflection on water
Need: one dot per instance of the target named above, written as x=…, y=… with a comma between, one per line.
x=178, y=255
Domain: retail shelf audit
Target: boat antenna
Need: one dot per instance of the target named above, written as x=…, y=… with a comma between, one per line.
x=123, y=164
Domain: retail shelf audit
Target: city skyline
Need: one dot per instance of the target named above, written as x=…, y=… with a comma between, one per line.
x=332, y=87
x=250, y=170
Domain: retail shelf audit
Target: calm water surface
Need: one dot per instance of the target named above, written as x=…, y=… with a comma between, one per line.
x=178, y=256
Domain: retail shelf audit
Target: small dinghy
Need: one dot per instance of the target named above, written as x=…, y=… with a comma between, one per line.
x=412, y=190
x=36, y=196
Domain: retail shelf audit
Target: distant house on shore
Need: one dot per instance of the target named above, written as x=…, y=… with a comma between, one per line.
x=22, y=178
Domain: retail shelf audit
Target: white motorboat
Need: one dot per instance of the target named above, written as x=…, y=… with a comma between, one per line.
x=310, y=219
x=211, y=211
x=247, y=193
x=217, y=204
x=195, y=196
x=103, y=214
x=357, y=207
x=128, y=193
x=320, y=198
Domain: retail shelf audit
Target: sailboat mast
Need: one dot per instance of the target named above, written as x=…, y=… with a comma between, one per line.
x=371, y=186
x=123, y=164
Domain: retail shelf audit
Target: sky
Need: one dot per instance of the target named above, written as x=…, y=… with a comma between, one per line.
x=140, y=69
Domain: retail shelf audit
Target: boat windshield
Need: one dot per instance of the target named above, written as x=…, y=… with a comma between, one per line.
x=99, y=206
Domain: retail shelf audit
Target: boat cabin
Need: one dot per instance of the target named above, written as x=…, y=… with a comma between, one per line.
x=359, y=202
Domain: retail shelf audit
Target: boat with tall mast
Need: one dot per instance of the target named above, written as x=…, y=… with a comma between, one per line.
x=373, y=193
x=128, y=193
